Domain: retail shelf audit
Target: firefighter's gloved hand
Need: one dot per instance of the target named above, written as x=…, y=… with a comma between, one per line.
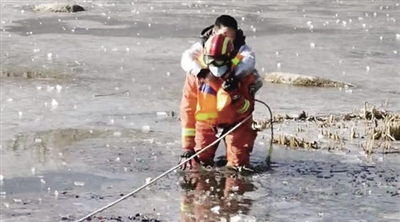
x=189, y=164
x=203, y=73
x=231, y=84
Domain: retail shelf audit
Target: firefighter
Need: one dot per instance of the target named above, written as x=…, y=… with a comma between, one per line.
x=218, y=97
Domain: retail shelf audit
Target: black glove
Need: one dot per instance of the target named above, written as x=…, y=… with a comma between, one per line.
x=231, y=84
x=186, y=155
x=203, y=73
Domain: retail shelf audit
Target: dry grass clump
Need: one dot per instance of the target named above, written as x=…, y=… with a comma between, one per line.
x=318, y=82
x=371, y=127
x=382, y=135
x=295, y=142
x=390, y=129
x=279, y=118
x=32, y=73
x=58, y=7
x=303, y=80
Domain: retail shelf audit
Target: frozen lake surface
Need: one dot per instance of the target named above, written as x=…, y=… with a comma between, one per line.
x=65, y=152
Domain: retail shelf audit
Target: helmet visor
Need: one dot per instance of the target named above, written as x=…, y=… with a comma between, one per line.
x=210, y=60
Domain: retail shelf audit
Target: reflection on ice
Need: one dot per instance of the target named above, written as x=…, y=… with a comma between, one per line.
x=213, y=196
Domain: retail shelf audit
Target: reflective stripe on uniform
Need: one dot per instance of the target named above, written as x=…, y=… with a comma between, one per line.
x=225, y=46
x=245, y=106
x=237, y=59
x=206, y=116
x=188, y=132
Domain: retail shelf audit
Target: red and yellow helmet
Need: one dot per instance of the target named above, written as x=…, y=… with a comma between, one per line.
x=218, y=52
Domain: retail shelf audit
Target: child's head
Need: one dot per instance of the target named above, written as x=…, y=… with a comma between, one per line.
x=227, y=25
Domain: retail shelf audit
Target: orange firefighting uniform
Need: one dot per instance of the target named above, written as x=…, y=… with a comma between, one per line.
x=205, y=105
x=202, y=193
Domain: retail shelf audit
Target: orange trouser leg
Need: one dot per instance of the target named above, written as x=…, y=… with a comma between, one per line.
x=205, y=135
x=239, y=145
